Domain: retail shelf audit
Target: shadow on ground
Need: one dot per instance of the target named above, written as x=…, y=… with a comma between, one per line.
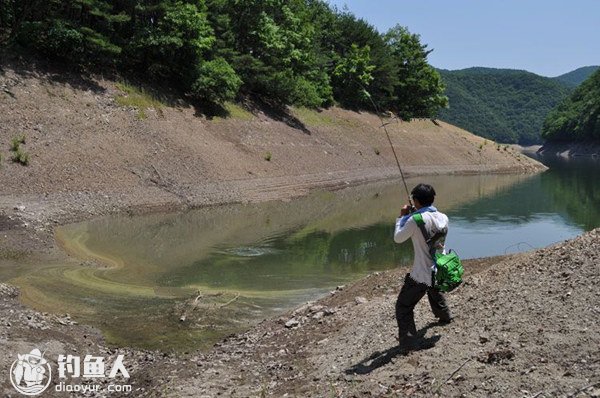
x=379, y=358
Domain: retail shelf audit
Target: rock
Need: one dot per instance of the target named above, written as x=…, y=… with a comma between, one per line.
x=595, y=393
x=319, y=315
x=292, y=323
x=316, y=308
x=360, y=300
x=20, y=208
x=484, y=338
x=341, y=287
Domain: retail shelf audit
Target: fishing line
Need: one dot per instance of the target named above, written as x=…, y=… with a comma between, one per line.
x=518, y=246
x=387, y=134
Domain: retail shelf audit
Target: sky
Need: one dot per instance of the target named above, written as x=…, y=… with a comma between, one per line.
x=547, y=37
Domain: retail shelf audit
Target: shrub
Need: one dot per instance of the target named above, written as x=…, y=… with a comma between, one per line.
x=19, y=156
x=16, y=142
x=217, y=82
x=268, y=156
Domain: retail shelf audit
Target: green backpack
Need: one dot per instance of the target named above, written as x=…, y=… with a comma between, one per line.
x=448, y=271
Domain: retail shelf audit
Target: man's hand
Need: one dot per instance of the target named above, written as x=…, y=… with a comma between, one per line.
x=405, y=210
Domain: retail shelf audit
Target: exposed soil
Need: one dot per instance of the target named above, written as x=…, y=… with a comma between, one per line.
x=90, y=156
x=526, y=326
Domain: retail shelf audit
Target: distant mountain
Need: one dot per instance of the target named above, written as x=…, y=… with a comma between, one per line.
x=505, y=105
x=577, y=118
x=576, y=77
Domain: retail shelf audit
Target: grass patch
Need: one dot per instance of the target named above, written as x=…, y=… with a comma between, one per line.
x=16, y=142
x=137, y=98
x=237, y=112
x=20, y=156
x=268, y=156
x=311, y=117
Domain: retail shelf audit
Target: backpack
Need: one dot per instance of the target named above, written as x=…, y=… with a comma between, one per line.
x=448, y=270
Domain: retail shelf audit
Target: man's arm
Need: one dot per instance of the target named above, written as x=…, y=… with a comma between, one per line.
x=404, y=232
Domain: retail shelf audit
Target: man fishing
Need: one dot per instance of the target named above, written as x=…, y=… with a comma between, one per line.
x=420, y=280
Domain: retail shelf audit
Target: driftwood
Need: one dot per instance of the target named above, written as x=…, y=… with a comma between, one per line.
x=230, y=301
x=195, y=303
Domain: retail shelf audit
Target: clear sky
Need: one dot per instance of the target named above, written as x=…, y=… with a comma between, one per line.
x=548, y=37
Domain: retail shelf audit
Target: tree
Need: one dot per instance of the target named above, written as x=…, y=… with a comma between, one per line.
x=171, y=44
x=352, y=76
x=419, y=90
x=217, y=82
x=577, y=118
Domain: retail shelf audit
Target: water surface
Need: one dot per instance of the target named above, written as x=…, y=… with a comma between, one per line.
x=228, y=267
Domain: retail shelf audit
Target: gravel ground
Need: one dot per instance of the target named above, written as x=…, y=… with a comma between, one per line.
x=525, y=326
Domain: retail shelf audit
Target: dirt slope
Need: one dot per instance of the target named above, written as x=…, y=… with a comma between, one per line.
x=526, y=326
x=89, y=155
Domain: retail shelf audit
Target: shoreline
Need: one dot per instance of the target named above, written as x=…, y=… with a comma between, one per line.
x=345, y=340
x=35, y=216
x=327, y=320
x=573, y=150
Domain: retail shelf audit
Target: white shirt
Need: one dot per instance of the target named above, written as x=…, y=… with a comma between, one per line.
x=423, y=264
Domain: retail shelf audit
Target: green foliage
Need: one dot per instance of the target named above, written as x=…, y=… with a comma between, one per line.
x=419, y=91
x=20, y=156
x=268, y=156
x=173, y=47
x=577, y=118
x=16, y=142
x=216, y=82
x=281, y=52
x=312, y=117
x=507, y=106
x=137, y=98
x=237, y=112
x=351, y=75
x=577, y=76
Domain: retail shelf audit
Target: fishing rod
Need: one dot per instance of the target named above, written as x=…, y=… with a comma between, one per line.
x=387, y=134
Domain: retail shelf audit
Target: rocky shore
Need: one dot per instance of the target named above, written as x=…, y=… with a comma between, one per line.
x=526, y=325
x=89, y=156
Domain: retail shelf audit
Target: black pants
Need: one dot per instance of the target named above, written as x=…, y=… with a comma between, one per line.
x=409, y=296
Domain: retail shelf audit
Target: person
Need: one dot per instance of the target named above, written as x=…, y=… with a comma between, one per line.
x=418, y=282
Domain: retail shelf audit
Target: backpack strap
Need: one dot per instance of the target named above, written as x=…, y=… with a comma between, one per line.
x=429, y=240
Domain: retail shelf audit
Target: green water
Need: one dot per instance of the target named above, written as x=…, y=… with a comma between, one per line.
x=247, y=262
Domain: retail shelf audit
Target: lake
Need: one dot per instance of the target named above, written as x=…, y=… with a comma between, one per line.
x=225, y=268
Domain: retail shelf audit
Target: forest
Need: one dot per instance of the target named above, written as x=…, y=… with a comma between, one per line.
x=501, y=104
x=278, y=52
x=576, y=118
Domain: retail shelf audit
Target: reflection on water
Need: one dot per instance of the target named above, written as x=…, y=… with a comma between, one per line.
x=225, y=268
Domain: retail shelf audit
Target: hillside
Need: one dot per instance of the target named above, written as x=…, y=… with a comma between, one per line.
x=91, y=151
x=577, y=76
x=501, y=104
x=577, y=118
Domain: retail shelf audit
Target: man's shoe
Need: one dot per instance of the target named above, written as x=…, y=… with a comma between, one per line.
x=409, y=343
